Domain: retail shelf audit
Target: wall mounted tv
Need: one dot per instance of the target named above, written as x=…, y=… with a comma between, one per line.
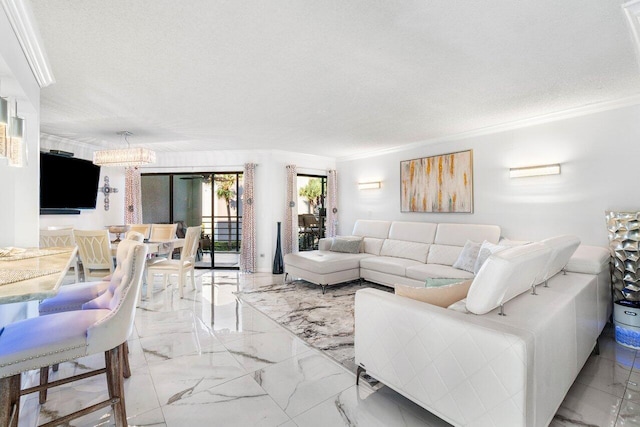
x=67, y=184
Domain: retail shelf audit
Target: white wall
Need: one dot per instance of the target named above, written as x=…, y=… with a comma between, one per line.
x=600, y=157
x=19, y=186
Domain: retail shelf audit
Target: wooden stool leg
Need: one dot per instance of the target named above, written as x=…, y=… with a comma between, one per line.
x=10, y=400
x=44, y=379
x=116, y=390
x=126, y=369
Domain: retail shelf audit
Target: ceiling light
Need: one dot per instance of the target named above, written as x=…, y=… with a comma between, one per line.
x=136, y=156
x=534, y=171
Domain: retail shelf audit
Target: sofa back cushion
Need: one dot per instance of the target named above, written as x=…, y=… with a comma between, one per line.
x=404, y=249
x=421, y=232
x=372, y=245
x=443, y=254
x=505, y=275
x=458, y=234
x=562, y=248
x=371, y=228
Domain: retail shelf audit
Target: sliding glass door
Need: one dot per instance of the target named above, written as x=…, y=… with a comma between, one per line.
x=212, y=200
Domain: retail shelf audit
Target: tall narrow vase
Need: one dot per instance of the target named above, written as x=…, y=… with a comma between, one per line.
x=278, y=263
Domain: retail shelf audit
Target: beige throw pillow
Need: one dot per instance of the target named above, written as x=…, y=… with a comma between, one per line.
x=442, y=296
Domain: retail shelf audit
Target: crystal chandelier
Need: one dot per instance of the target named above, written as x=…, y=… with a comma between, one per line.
x=126, y=156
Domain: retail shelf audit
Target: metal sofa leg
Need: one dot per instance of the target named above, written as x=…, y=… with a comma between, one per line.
x=324, y=288
x=359, y=372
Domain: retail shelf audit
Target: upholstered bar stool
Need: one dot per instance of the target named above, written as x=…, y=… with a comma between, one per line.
x=43, y=341
x=79, y=296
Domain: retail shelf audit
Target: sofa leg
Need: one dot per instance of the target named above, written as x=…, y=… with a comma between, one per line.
x=359, y=372
x=546, y=283
x=324, y=289
x=596, y=348
x=501, y=312
x=533, y=290
x=285, y=277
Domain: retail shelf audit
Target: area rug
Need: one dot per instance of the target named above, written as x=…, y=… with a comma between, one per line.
x=325, y=322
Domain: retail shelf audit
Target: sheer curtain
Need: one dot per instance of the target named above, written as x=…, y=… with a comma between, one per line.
x=332, y=203
x=290, y=226
x=248, y=245
x=132, y=196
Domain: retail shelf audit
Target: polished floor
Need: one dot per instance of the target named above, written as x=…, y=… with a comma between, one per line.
x=210, y=360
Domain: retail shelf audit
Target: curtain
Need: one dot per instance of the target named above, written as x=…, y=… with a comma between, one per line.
x=332, y=204
x=290, y=226
x=248, y=245
x=132, y=196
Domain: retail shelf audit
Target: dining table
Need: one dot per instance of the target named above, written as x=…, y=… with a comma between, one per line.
x=33, y=274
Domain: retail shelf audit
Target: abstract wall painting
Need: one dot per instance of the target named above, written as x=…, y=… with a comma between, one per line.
x=440, y=184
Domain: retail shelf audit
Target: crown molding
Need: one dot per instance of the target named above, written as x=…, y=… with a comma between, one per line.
x=503, y=127
x=23, y=23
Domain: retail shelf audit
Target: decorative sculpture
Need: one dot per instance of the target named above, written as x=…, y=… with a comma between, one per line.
x=624, y=241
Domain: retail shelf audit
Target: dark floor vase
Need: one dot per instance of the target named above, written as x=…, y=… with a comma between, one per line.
x=278, y=263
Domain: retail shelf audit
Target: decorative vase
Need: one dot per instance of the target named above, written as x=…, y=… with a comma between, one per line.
x=278, y=262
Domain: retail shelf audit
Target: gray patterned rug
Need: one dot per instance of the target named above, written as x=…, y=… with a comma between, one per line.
x=323, y=321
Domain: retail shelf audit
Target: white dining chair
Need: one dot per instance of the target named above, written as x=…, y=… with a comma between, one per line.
x=186, y=263
x=145, y=229
x=160, y=232
x=94, y=248
x=43, y=341
x=60, y=237
x=134, y=235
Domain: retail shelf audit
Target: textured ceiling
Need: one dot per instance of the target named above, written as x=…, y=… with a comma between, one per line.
x=328, y=77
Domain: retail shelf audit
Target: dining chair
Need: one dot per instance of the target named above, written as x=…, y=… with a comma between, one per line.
x=59, y=237
x=161, y=232
x=94, y=248
x=134, y=235
x=39, y=342
x=181, y=266
x=145, y=229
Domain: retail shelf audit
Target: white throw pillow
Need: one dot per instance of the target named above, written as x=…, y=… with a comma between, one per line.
x=486, y=250
x=467, y=258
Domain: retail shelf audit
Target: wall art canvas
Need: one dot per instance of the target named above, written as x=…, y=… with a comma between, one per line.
x=441, y=183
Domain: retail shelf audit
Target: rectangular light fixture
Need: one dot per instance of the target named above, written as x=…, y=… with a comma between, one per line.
x=15, y=146
x=4, y=125
x=540, y=170
x=369, y=185
x=124, y=157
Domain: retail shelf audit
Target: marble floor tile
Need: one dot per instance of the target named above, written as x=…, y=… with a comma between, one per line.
x=633, y=387
x=303, y=381
x=629, y=414
x=260, y=350
x=587, y=406
x=181, y=377
x=362, y=407
x=240, y=402
x=605, y=375
x=609, y=349
x=170, y=346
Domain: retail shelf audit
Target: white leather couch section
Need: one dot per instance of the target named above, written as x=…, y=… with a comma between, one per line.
x=487, y=370
x=392, y=252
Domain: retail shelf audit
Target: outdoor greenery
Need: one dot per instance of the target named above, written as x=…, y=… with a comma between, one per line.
x=225, y=184
x=312, y=192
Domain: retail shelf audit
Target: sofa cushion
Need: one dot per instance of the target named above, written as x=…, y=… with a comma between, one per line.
x=372, y=245
x=324, y=262
x=442, y=296
x=346, y=244
x=436, y=282
x=389, y=265
x=371, y=228
x=421, y=232
x=443, y=254
x=562, y=247
x=485, y=252
x=467, y=258
x=423, y=271
x=505, y=275
x=404, y=249
x=458, y=234
x=589, y=260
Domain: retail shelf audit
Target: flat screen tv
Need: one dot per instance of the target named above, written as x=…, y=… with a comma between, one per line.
x=67, y=183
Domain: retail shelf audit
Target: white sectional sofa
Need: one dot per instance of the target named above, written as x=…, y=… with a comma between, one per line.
x=392, y=252
x=467, y=363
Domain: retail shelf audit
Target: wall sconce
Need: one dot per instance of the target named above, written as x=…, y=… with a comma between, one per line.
x=369, y=185
x=4, y=124
x=540, y=170
x=16, y=142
